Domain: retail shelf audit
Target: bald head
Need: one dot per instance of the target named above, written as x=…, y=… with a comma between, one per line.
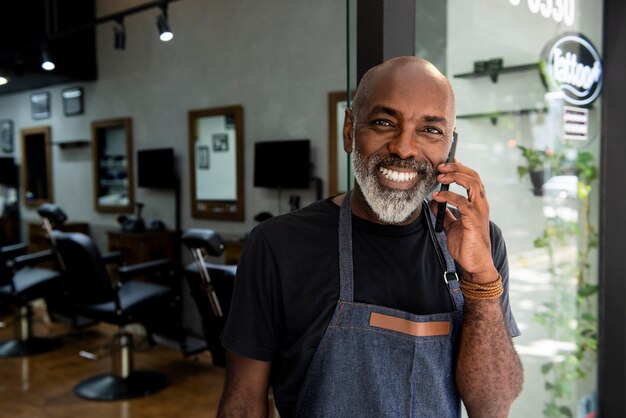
x=404, y=73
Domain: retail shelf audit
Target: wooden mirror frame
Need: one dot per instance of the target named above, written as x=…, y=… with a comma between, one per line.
x=26, y=135
x=223, y=210
x=96, y=126
x=335, y=141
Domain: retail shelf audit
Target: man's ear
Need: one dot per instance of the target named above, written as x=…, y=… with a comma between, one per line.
x=348, y=128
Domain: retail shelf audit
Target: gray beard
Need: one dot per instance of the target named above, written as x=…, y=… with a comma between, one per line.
x=390, y=205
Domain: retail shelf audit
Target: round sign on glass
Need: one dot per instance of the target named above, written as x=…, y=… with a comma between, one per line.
x=572, y=65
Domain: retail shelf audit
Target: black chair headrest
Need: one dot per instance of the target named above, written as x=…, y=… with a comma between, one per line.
x=53, y=213
x=204, y=238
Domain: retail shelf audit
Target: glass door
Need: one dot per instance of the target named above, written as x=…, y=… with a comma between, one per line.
x=527, y=76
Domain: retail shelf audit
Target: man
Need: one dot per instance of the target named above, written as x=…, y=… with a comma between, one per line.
x=344, y=307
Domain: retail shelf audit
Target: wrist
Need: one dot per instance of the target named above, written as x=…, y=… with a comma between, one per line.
x=487, y=276
x=482, y=291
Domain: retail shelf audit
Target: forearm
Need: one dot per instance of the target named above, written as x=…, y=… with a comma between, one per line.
x=489, y=373
x=237, y=406
x=245, y=388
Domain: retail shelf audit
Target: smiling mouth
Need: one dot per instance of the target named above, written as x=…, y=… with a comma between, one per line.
x=398, y=176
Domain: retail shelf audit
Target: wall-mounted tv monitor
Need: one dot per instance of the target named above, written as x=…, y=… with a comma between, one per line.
x=8, y=172
x=282, y=164
x=156, y=168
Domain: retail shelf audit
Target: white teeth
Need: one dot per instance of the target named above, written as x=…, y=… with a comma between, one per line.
x=398, y=176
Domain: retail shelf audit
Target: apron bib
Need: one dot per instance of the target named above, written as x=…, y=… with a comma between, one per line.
x=375, y=361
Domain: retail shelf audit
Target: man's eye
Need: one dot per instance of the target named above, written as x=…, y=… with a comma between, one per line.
x=432, y=130
x=382, y=122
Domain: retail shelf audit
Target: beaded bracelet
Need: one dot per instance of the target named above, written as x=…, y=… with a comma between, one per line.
x=492, y=290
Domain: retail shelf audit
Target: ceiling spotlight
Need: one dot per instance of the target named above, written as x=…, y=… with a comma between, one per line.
x=46, y=62
x=120, y=34
x=165, y=34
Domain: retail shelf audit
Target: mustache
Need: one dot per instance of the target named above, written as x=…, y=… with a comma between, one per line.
x=408, y=164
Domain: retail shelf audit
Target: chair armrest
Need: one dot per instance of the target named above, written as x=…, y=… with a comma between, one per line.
x=149, y=267
x=8, y=252
x=228, y=269
x=114, y=257
x=32, y=258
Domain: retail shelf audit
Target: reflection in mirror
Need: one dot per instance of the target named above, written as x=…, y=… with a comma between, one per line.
x=112, y=147
x=36, y=166
x=216, y=163
x=340, y=175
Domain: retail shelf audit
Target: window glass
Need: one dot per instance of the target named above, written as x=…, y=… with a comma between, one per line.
x=529, y=124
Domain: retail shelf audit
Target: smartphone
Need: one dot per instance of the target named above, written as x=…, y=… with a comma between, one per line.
x=441, y=208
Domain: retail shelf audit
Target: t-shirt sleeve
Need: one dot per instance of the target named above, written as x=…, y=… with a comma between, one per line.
x=501, y=262
x=250, y=327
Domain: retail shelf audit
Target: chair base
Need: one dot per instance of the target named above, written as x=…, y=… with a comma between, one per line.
x=31, y=346
x=109, y=387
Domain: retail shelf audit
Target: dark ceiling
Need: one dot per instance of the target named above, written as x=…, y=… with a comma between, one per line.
x=66, y=27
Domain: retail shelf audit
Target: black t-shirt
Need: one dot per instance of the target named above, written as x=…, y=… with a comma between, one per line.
x=287, y=285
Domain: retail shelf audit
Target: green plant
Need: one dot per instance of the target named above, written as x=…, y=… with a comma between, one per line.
x=570, y=316
x=540, y=165
x=539, y=160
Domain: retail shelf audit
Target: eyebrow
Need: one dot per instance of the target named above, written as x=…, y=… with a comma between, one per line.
x=393, y=112
x=434, y=118
x=383, y=109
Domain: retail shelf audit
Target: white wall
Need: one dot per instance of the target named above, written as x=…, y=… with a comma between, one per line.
x=277, y=58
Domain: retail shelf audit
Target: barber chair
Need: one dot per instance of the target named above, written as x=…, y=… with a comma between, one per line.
x=57, y=300
x=20, y=284
x=210, y=285
x=95, y=295
x=52, y=216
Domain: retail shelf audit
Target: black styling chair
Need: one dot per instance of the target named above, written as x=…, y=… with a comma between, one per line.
x=52, y=216
x=58, y=302
x=95, y=295
x=210, y=285
x=21, y=283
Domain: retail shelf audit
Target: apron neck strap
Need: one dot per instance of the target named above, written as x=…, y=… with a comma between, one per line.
x=346, y=277
x=440, y=242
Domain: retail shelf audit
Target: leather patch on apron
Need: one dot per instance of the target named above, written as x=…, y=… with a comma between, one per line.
x=416, y=329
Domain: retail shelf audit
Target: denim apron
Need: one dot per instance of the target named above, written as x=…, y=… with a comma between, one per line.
x=375, y=361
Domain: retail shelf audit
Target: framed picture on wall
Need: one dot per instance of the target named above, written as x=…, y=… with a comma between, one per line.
x=40, y=105
x=220, y=142
x=6, y=136
x=72, y=101
x=203, y=157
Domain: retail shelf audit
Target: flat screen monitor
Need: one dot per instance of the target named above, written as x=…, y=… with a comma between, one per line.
x=8, y=172
x=155, y=168
x=282, y=164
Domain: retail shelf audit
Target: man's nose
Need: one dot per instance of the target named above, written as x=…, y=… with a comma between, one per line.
x=404, y=145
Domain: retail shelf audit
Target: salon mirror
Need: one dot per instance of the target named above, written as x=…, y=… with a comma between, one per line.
x=9, y=201
x=112, y=154
x=340, y=175
x=216, y=163
x=36, y=166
